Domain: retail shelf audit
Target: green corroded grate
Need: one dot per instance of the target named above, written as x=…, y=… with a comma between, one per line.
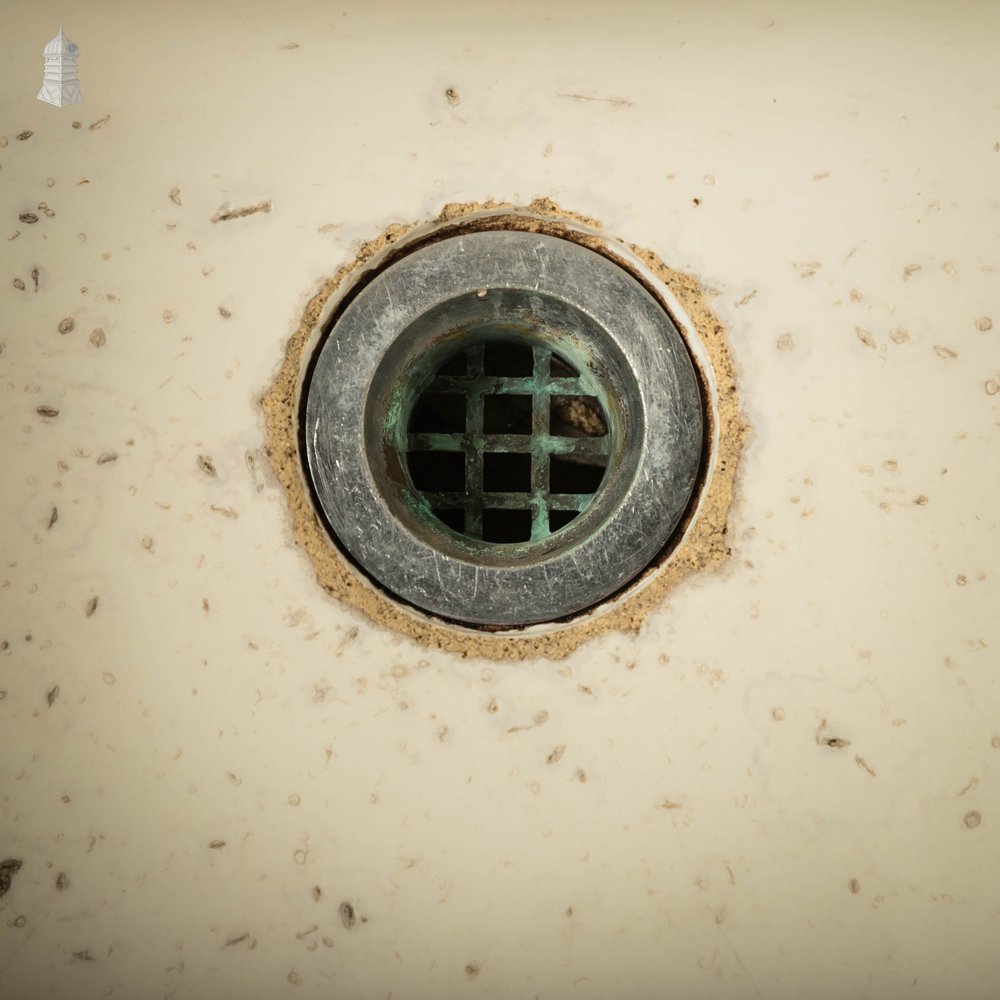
x=505, y=444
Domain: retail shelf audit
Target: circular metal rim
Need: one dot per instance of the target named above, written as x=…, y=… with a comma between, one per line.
x=668, y=422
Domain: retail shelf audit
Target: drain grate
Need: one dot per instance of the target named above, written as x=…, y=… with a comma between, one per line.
x=504, y=444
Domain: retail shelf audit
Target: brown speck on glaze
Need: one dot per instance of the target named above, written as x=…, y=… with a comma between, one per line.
x=100, y=123
x=227, y=213
x=899, y=335
x=972, y=819
x=825, y=740
x=984, y=324
x=206, y=465
x=865, y=336
x=9, y=867
x=786, y=342
x=98, y=337
x=972, y=783
x=807, y=268
x=62, y=881
x=854, y=886
x=66, y=325
x=224, y=312
x=51, y=695
x=348, y=916
x=865, y=766
x=91, y=606
x=175, y=195
x=47, y=411
x=472, y=970
x=106, y=457
x=452, y=97
x=216, y=845
x=556, y=755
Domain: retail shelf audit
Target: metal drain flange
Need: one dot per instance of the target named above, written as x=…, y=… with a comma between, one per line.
x=502, y=428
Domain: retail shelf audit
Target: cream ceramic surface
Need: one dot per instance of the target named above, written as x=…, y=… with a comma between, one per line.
x=785, y=786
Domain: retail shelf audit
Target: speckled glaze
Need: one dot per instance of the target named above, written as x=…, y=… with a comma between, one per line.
x=220, y=782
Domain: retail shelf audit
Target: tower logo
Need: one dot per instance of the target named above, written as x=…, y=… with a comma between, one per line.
x=61, y=85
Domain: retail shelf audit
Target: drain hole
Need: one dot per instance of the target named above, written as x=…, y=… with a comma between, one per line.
x=455, y=519
x=438, y=412
x=561, y=368
x=506, y=414
x=576, y=416
x=560, y=518
x=506, y=526
x=569, y=476
x=437, y=471
x=455, y=365
x=508, y=357
x=507, y=473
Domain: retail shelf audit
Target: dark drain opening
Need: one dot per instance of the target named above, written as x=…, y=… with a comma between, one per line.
x=437, y=471
x=442, y=412
x=568, y=476
x=506, y=473
x=505, y=527
x=499, y=444
x=507, y=414
x=509, y=358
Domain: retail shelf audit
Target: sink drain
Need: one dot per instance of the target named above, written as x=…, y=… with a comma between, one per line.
x=502, y=428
